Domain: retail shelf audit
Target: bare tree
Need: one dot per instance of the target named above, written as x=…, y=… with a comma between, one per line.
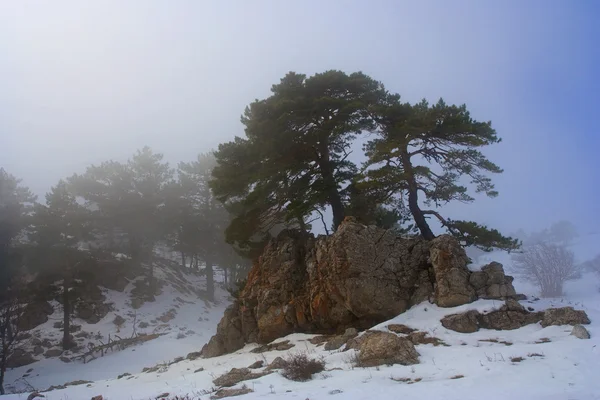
x=548, y=266
x=10, y=312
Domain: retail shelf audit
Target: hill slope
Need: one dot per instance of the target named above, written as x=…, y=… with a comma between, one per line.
x=555, y=364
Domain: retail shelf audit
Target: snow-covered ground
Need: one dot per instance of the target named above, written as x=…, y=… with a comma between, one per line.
x=194, y=322
x=559, y=367
x=565, y=367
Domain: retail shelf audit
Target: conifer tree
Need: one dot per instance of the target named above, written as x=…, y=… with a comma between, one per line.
x=294, y=158
x=58, y=233
x=433, y=152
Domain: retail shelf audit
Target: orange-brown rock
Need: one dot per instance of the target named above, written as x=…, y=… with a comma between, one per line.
x=357, y=277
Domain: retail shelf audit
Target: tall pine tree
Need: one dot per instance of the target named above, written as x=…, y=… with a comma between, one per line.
x=433, y=151
x=294, y=159
x=127, y=200
x=58, y=232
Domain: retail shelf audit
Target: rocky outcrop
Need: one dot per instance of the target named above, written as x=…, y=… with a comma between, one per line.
x=384, y=348
x=512, y=315
x=357, y=277
x=229, y=336
x=449, y=261
x=491, y=283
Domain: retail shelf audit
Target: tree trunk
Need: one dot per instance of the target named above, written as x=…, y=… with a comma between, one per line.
x=66, y=342
x=210, y=281
x=135, y=248
x=413, y=199
x=197, y=266
x=225, y=270
x=335, y=200
x=183, y=260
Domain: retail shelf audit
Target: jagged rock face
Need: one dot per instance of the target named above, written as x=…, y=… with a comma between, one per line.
x=229, y=335
x=357, y=277
x=449, y=261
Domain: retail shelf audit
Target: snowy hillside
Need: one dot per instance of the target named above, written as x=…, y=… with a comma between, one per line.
x=527, y=363
x=184, y=321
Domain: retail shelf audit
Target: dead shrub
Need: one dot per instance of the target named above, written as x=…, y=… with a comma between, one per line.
x=299, y=367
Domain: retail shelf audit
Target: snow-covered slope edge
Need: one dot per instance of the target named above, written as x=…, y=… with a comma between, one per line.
x=469, y=368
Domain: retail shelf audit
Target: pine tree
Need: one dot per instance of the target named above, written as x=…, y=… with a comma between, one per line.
x=16, y=203
x=200, y=218
x=128, y=200
x=433, y=151
x=58, y=232
x=294, y=159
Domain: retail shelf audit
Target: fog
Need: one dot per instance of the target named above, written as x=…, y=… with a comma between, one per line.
x=83, y=82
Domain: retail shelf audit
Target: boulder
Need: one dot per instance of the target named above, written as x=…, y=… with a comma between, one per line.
x=492, y=283
x=507, y=319
x=19, y=358
x=34, y=315
x=256, y=364
x=277, y=363
x=355, y=343
x=580, y=332
x=53, y=353
x=386, y=348
x=228, y=337
x=467, y=322
x=564, y=316
x=449, y=261
x=38, y=350
x=92, y=311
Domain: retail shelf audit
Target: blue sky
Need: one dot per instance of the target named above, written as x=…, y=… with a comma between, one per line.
x=84, y=82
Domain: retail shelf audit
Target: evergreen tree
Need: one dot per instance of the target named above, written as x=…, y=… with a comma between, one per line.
x=200, y=218
x=16, y=202
x=57, y=233
x=294, y=159
x=128, y=201
x=433, y=151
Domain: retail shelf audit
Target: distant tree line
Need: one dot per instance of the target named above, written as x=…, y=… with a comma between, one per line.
x=110, y=210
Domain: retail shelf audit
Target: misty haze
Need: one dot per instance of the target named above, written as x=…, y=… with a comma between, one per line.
x=312, y=200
